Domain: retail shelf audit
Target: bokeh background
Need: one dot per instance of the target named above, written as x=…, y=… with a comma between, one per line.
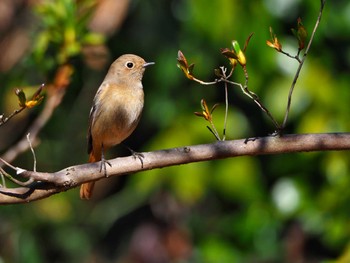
x=283, y=208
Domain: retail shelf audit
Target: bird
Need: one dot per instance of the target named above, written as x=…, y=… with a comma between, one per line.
x=116, y=110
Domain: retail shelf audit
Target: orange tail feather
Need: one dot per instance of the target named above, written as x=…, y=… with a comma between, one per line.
x=86, y=189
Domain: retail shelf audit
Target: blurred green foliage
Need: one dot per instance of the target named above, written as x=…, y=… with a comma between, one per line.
x=246, y=209
x=63, y=30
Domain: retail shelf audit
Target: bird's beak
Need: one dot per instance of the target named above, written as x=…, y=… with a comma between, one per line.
x=148, y=64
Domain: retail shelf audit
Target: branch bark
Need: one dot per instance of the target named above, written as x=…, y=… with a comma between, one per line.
x=47, y=184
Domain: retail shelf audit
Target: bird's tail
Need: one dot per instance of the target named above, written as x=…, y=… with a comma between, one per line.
x=87, y=188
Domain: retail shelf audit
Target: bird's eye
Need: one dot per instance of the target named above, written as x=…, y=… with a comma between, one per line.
x=129, y=64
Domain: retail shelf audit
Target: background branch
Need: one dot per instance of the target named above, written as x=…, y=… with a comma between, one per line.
x=48, y=184
x=55, y=94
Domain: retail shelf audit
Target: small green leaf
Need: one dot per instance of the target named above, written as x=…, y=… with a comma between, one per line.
x=239, y=53
x=236, y=47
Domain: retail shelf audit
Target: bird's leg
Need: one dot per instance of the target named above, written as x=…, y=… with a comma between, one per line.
x=138, y=155
x=103, y=162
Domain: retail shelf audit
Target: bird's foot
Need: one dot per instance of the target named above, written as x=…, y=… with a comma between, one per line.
x=103, y=164
x=137, y=155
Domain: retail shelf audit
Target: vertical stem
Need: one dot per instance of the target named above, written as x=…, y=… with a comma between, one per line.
x=301, y=63
x=223, y=70
x=32, y=150
x=226, y=113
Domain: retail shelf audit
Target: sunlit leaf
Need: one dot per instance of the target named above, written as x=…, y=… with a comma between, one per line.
x=239, y=53
x=33, y=103
x=199, y=114
x=183, y=65
x=206, y=114
x=235, y=55
x=274, y=43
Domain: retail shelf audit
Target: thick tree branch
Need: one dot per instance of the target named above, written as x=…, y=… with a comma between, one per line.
x=47, y=184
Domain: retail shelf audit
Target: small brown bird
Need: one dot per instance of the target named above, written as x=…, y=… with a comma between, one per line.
x=116, y=109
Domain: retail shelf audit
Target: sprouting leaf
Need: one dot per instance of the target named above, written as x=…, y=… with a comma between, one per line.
x=38, y=91
x=247, y=42
x=21, y=97
x=204, y=106
x=32, y=103
x=183, y=65
x=228, y=53
x=240, y=55
x=214, y=107
x=300, y=33
x=35, y=100
x=274, y=43
x=235, y=55
x=206, y=113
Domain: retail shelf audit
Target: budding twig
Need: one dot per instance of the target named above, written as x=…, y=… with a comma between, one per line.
x=301, y=63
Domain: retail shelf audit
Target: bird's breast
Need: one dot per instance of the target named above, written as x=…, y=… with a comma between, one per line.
x=117, y=115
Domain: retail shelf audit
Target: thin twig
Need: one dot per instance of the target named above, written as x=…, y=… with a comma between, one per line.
x=245, y=90
x=213, y=130
x=301, y=63
x=8, y=164
x=223, y=70
x=204, y=82
x=296, y=57
x=33, y=153
x=255, y=98
x=14, y=180
x=4, y=120
x=10, y=177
